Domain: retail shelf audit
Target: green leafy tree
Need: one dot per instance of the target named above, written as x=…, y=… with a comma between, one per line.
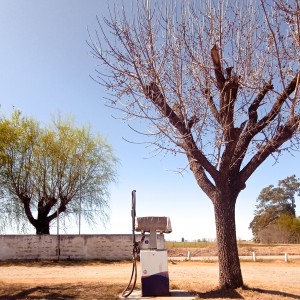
x=292, y=224
x=214, y=80
x=285, y=230
x=49, y=171
x=275, y=202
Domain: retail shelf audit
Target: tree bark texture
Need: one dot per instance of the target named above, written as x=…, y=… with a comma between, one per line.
x=230, y=275
x=42, y=223
x=42, y=227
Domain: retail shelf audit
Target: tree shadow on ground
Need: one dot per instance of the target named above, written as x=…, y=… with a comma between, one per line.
x=272, y=292
x=242, y=293
x=38, y=292
x=221, y=293
x=68, y=291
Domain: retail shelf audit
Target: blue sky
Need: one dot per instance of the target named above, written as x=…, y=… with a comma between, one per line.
x=44, y=70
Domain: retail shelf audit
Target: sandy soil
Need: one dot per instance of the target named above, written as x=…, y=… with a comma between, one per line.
x=266, y=280
x=277, y=276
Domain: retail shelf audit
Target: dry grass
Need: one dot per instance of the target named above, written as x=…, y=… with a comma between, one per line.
x=210, y=249
x=111, y=291
x=247, y=293
x=60, y=291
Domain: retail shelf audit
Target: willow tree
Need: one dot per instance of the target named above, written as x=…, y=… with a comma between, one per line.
x=46, y=172
x=214, y=80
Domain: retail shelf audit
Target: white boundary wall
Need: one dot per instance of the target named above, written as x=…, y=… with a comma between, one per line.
x=80, y=247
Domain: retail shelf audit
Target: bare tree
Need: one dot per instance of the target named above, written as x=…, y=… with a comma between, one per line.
x=213, y=80
x=289, y=11
x=274, y=234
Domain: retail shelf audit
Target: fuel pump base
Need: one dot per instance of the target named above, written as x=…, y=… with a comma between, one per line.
x=155, y=276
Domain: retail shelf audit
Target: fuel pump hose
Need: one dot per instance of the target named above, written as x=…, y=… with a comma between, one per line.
x=135, y=251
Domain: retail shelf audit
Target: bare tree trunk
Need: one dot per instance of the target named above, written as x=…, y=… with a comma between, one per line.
x=42, y=223
x=230, y=275
x=42, y=227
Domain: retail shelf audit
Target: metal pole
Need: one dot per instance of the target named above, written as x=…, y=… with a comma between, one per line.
x=79, y=221
x=57, y=217
x=79, y=169
x=58, y=239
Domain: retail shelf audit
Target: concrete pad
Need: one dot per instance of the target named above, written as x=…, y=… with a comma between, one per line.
x=176, y=294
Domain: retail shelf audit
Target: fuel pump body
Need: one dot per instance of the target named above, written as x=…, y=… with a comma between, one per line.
x=154, y=273
x=154, y=256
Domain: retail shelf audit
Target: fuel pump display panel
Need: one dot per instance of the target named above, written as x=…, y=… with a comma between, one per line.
x=158, y=224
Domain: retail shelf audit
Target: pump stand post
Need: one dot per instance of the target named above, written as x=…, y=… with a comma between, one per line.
x=153, y=241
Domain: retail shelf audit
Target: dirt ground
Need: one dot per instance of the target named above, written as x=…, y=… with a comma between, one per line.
x=268, y=280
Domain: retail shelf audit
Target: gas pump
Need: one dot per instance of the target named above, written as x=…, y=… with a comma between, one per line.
x=154, y=256
x=152, y=252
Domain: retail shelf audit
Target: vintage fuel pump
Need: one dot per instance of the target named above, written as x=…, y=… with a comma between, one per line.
x=152, y=252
